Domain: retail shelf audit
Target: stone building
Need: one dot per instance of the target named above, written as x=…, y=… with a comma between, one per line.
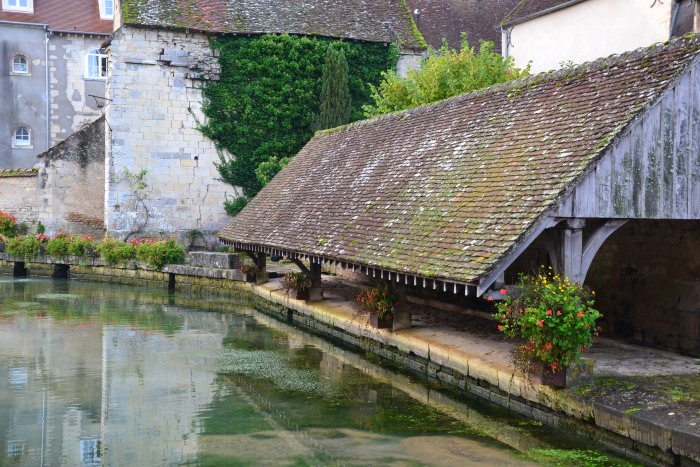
x=52, y=81
x=592, y=170
x=161, y=173
x=550, y=33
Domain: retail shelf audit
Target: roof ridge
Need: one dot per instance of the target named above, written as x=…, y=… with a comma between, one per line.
x=547, y=76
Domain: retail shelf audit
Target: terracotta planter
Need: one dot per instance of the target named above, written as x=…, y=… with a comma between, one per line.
x=541, y=374
x=379, y=323
x=302, y=294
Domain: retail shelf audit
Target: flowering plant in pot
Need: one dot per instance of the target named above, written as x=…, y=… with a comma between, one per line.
x=250, y=270
x=297, y=284
x=555, y=318
x=379, y=302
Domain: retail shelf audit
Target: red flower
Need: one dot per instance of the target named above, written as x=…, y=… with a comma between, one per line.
x=549, y=312
x=504, y=291
x=580, y=314
x=540, y=322
x=500, y=327
x=558, y=313
x=490, y=299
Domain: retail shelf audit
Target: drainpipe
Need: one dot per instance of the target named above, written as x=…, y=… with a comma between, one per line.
x=674, y=19
x=48, y=91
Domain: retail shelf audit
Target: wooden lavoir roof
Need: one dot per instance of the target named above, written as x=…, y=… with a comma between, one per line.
x=447, y=191
x=365, y=20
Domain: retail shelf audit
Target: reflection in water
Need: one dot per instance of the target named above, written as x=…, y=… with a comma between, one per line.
x=98, y=375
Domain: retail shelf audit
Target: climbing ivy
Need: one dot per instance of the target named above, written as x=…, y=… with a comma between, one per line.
x=262, y=109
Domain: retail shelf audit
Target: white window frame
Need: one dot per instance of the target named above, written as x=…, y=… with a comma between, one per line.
x=17, y=71
x=25, y=141
x=94, y=67
x=106, y=9
x=16, y=5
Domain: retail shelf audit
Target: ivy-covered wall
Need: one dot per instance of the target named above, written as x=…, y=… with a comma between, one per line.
x=263, y=106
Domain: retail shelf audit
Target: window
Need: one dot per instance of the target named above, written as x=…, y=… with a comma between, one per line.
x=24, y=6
x=106, y=9
x=22, y=137
x=96, y=66
x=20, y=65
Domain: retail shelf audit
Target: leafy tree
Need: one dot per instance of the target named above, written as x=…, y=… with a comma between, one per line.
x=445, y=73
x=335, y=93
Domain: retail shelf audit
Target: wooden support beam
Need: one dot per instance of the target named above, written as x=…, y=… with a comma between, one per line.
x=569, y=254
x=301, y=265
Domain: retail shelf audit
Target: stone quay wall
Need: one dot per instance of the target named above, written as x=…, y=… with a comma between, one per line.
x=638, y=438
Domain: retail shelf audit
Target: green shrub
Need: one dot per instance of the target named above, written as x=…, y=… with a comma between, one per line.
x=115, y=250
x=81, y=245
x=158, y=253
x=27, y=246
x=58, y=246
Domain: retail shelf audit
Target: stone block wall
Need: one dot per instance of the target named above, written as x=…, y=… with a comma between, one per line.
x=67, y=194
x=155, y=91
x=647, y=281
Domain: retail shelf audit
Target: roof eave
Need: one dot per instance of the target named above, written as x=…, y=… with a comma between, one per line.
x=408, y=278
x=546, y=11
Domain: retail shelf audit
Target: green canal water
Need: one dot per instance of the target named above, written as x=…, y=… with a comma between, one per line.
x=92, y=374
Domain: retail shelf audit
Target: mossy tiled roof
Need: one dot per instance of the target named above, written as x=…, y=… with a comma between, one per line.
x=444, y=191
x=527, y=9
x=348, y=19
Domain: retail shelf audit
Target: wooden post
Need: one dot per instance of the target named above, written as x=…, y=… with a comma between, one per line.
x=402, y=317
x=316, y=291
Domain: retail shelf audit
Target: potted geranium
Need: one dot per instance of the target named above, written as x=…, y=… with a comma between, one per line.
x=297, y=285
x=556, y=320
x=250, y=270
x=379, y=302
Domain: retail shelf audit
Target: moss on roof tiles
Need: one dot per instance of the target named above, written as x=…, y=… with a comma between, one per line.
x=348, y=19
x=446, y=190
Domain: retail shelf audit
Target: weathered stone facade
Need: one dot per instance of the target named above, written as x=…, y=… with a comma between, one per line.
x=68, y=192
x=155, y=92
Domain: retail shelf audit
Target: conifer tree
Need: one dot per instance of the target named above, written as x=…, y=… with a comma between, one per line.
x=335, y=93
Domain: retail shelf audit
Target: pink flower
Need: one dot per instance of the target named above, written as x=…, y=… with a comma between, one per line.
x=490, y=299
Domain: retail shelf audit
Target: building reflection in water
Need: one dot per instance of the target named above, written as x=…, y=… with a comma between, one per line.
x=80, y=392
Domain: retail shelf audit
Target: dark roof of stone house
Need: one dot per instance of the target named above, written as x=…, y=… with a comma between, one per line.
x=528, y=9
x=446, y=191
x=78, y=16
x=450, y=18
x=350, y=19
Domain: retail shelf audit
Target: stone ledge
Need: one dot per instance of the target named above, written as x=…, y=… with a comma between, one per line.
x=212, y=273
x=206, y=259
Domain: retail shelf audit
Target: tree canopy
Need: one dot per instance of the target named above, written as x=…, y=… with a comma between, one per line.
x=444, y=73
